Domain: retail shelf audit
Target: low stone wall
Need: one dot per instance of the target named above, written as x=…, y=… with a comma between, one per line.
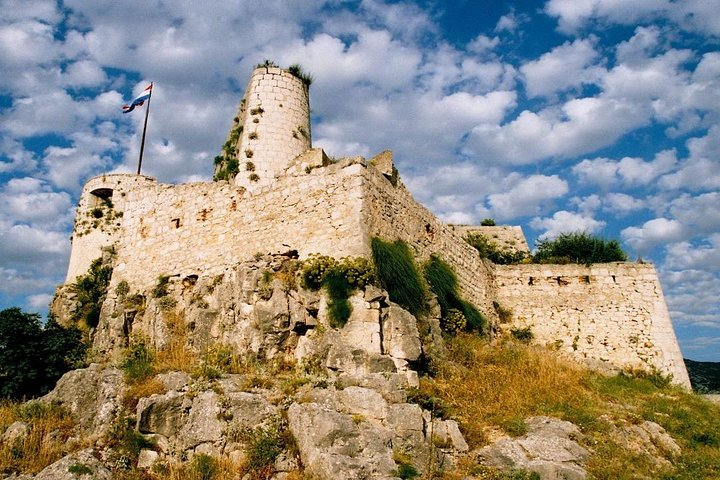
x=505, y=237
x=612, y=312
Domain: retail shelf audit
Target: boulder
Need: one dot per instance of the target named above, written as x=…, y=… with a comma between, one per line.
x=401, y=338
x=550, y=449
x=82, y=464
x=92, y=395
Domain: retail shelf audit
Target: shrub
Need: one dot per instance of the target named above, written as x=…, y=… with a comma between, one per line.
x=492, y=252
x=91, y=290
x=138, y=361
x=398, y=274
x=524, y=335
x=253, y=135
x=264, y=444
x=488, y=222
x=443, y=283
x=339, y=278
x=249, y=166
x=454, y=321
x=578, y=247
x=161, y=286
x=297, y=71
x=233, y=167
x=254, y=177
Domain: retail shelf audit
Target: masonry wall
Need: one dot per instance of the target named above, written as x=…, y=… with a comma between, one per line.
x=390, y=212
x=208, y=227
x=99, y=218
x=613, y=312
x=276, y=126
x=505, y=237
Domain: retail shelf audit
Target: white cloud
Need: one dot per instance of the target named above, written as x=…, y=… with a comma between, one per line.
x=704, y=255
x=692, y=15
x=529, y=196
x=568, y=66
x=652, y=233
x=628, y=171
x=565, y=222
x=701, y=170
x=622, y=204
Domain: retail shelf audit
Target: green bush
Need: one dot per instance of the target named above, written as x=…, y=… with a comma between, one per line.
x=443, y=283
x=297, y=71
x=489, y=250
x=488, y=222
x=524, y=335
x=578, y=247
x=398, y=274
x=138, y=361
x=264, y=444
x=161, y=286
x=34, y=356
x=91, y=290
x=339, y=278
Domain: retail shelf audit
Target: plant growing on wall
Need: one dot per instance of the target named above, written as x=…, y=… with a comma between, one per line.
x=298, y=72
x=443, y=283
x=339, y=278
x=90, y=290
x=399, y=275
x=578, y=247
x=492, y=252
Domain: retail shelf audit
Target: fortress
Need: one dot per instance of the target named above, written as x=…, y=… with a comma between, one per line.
x=274, y=193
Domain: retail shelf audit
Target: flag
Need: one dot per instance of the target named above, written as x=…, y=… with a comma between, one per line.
x=139, y=100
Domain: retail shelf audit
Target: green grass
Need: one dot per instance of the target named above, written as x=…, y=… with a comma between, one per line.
x=399, y=275
x=578, y=247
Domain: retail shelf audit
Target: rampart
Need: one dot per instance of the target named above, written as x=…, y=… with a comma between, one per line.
x=611, y=312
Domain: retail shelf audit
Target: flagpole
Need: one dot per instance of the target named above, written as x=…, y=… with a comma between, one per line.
x=142, y=144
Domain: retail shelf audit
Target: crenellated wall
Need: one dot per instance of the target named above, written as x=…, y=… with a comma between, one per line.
x=613, y=312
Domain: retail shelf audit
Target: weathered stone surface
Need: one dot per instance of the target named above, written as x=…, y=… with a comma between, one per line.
x=332, y=445
x=363, y=401
x=92, y=395
x=162, y=414
x=60, y=470
x=174, y=380
x=204, y=422
x=447, y=433
x=147, y=459
x=648, y=439
x=16, y=432
x=549, y=448
x=401, y=338
x=362, y=329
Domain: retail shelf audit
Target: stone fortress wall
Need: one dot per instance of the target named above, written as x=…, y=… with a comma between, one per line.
x=505, y=237
x=615, y=312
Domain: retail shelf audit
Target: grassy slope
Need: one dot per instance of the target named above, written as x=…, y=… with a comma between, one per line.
x=484, y=386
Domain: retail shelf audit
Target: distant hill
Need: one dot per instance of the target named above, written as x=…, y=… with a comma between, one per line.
x=704, y=376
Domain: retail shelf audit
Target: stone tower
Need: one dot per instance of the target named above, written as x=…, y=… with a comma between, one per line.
x=271, y=128
x=98, y=218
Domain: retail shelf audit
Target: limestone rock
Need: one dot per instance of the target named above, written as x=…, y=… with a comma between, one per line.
x=401, y=338
x=162, y=414
x=16, y=432
x=80, y=461
x=649, y=439
x=92, y=395
x=549, y=448
x=147, y=459
x=332, y=445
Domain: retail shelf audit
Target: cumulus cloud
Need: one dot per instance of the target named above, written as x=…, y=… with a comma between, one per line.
x=629, y=170
x=568, y=66
x=653, y=232
x=528, y=196
x=565, y=222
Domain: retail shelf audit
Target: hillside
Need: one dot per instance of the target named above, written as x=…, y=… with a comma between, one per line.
x=704, y=376
x=315, y=373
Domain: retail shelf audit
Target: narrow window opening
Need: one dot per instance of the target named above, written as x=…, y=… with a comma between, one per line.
x=176, y=221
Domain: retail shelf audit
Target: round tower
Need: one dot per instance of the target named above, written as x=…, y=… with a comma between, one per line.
x=98, y=218
x=272, y=126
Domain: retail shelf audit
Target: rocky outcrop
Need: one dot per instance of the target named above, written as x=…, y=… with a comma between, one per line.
x=344, y=402
x=550, y=448
x=92, y=395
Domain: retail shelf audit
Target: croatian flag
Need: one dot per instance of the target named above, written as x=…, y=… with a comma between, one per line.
x=139, y=100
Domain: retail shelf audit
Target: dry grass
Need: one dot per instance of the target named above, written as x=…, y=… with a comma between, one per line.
x=485, y=386
x=50, y=427
x=177, y=356
x=141, y=389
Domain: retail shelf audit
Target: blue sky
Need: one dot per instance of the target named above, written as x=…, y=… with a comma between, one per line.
x=563, y=115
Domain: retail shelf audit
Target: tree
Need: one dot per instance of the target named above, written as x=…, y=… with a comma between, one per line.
x=32, y=356
x=578, y=247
